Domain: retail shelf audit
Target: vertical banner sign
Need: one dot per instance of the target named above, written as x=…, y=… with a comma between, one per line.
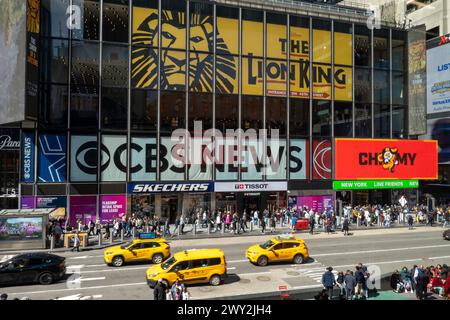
x=438, y=77
x=32, y=64
x=321, y=159
x=298, y=158
x=27, y=157
x=84, y=208
x=52, y=158
x=417, y=70
x=83, y=159
x=112, y=207
x=28, y=202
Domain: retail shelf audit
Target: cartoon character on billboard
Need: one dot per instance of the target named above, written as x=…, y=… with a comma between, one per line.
x=388, y=158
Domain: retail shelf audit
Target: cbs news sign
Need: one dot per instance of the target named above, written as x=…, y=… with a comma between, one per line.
x=297, y=76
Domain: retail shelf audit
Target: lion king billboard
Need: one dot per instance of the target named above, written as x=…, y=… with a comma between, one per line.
x=360, y=159
x=280, y=77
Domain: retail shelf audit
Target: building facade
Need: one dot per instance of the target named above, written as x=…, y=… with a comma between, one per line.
x=118, y=84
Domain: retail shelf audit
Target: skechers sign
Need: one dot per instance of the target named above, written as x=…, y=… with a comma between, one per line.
x=27, y=157
x=357, y=159
x=170, y=187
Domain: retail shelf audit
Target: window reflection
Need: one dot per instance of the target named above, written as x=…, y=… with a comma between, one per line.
x=115, y=20
x=321, y=118
x=172, y=112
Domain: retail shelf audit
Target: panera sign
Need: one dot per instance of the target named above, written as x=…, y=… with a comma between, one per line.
x=9, y=143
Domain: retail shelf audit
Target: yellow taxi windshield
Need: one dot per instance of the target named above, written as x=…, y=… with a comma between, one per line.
x=168, y=263
x=267, y=244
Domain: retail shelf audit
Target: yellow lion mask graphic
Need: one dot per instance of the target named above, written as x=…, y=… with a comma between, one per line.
x=388, y=158
x=173, y=62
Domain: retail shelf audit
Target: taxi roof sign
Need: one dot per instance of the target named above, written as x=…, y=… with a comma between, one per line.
x=286, y=237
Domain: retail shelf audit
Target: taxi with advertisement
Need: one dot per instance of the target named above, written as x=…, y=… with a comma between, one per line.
x=190, y=267
x=155, y=250
x=281, y=248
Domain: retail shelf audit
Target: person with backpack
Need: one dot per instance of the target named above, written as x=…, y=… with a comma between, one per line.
x=328, y=282
x=350, y=284
x=360, y=280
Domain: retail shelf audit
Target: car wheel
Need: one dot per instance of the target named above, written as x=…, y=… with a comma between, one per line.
x=215, y=280
x=45, y=278
x=157, y=258
x=262, y=261
x=298, y=259
x=117, y=261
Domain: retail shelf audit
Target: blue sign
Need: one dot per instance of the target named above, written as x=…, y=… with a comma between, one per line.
x=27, y=157
x=52, y=158
x=51, y=202
x=147, y=235
x=170, y=187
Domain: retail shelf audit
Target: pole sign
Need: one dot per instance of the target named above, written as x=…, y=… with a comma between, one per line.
x=385, y=159
x=375, y=184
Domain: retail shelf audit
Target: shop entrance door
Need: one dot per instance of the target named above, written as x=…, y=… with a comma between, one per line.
x=251, y=202
x=169, y=208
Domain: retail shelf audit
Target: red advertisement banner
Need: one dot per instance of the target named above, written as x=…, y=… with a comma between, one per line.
x=357, y=159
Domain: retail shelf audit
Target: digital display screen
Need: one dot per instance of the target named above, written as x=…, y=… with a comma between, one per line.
x=24, y=228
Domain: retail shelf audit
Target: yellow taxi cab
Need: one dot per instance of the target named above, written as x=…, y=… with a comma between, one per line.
x=281, y=248
x=190, y=266
x=155, y=250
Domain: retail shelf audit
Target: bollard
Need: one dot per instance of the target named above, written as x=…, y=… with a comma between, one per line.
x=68, y=242
x=52, y=243
x=358, y=221
x=209, y=228
x=100, y=239
x=195, y=229
x=251, y=226
x=110, y=236
x=179, y=230
x=121, y=235
x=223, y=227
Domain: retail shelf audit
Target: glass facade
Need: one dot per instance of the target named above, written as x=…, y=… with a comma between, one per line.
x=137, y=71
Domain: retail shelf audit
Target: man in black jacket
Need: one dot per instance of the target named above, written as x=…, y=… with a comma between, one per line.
x=422, y=280
x=159, y=292
x=360, y=281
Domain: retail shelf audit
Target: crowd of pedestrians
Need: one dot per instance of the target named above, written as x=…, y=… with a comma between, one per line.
x=178, y=291
x=356, y=284
x=351, y=284
x=422, y=280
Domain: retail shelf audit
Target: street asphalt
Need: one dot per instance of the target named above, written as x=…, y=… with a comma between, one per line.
x=383, y=250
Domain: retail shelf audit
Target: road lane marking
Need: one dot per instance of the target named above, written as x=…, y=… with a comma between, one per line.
x=87, y=288
x=382, y=262
x=81, y=279
x=434, y=258
x=232, y=268
x=83, y=257
x=237, y=261
x=383, y=250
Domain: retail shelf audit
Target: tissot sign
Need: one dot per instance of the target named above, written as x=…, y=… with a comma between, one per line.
x=250, y=186
x=169, y=187
x=357, y=159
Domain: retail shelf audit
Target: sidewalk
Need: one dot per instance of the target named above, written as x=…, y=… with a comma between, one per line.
x=188, y=236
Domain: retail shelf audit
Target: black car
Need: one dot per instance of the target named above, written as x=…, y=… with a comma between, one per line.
x=446, y=234
x=43, y=268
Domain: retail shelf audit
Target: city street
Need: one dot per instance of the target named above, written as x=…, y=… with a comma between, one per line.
x=389, y=249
